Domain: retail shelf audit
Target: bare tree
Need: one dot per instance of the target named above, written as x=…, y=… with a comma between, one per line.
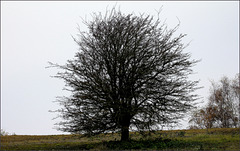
x=203, y=118
x=222, y=109
x=129, y=72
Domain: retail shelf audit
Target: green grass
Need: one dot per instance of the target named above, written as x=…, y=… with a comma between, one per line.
x=212, y=139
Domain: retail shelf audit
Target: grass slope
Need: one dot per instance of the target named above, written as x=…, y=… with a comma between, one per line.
x=211, y=139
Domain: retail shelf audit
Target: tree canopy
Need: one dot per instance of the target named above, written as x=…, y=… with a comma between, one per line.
x=129, y=73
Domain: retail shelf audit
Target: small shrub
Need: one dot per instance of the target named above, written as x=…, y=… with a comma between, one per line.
x=14, y=134
x=3, y=133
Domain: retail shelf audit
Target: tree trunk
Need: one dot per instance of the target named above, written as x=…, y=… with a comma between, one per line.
x=125, y=133
x=125, y=123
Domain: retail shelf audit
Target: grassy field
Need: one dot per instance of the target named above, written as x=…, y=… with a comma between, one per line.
x=211, y=139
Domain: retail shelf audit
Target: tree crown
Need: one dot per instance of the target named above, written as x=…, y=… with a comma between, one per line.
x=128, y=72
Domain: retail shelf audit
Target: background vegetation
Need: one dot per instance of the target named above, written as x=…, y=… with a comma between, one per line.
x=222, y=108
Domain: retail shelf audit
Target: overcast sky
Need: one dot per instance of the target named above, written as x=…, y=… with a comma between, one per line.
x=33, y=33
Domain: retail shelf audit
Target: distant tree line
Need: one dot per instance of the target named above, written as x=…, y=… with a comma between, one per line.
x=222, y=109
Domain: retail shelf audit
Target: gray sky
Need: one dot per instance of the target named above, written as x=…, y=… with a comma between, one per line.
x=33, y=33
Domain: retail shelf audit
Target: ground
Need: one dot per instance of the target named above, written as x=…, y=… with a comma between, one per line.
x=211, y=139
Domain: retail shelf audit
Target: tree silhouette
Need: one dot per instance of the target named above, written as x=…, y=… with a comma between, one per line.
x=129, y=72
